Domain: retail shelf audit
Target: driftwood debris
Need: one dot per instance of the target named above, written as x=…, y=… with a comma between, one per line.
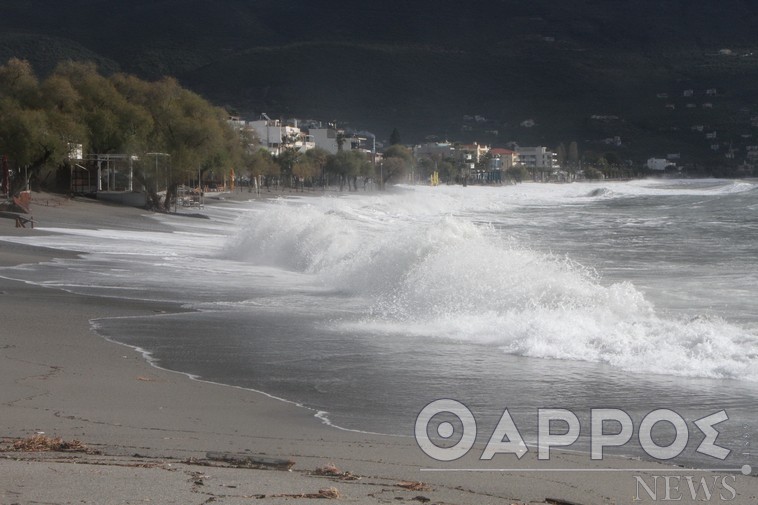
x=40, y=443
x=250, y=460
x=558, y=501
x=413, y=486
x=330, y=493
x=331, y=470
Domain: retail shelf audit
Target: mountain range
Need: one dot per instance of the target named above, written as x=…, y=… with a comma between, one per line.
x=641, y=78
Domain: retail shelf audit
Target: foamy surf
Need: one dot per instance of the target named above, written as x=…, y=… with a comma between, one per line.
x=430, y=272
x=368, y=306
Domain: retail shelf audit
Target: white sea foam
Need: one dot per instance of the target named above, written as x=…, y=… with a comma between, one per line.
x=425, y=263
x=427, y=271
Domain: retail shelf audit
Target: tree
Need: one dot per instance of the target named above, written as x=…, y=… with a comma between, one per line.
x=189, y=129
x=61, y=101
x=483, y=165
x=592, y=173
x=397, y=160
x=348, y=166
x=448, y=170
x=572, y=157
x=595, y=166
x=613, y=159
x=309, y=165
x=426, y=166
x=366, y=169
x=32, y=134
x=287, y=160
x=117, y=114
x=113, y=124
x=398, y=151
x=573, y=152
x=394, y=137
x=561, y=154
x=302, y=170
x=261, y=164
x=517, y=173
x=26, y=137
x=18, y=82
x=391, y=169
x=317, y=159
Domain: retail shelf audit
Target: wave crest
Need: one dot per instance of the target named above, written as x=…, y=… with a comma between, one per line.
x=446, y=277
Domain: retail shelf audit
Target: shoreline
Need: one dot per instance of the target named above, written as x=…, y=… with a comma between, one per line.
x=153, y=425
x=147, y=355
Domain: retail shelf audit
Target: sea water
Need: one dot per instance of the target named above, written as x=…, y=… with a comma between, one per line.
x=366, y=307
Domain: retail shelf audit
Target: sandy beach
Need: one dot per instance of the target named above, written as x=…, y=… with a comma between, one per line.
x=149, y=431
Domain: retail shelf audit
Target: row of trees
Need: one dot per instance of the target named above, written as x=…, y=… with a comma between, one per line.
x=40, y=120
x=316, y=167
x=454, y=170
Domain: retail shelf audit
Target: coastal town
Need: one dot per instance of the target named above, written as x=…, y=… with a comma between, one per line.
x=157, y=144
x=470, y=253
x=312, y=154
x=450, y=161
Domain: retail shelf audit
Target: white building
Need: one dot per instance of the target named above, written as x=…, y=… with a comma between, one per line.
x=441, y=150
x=272, y=135
x=537, y=158
x=275, y=136
x=329, y=140
x=659, y=164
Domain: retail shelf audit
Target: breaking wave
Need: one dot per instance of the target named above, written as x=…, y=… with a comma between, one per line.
x=427, y=273
x=598, y=192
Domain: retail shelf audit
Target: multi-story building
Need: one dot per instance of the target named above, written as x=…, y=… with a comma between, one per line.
x=502, y=159
x=473, y=152
x=332, y=140
x=537, y=158
x=659, y=164
x=435, y=150
x=273, y=135
x=470, y=155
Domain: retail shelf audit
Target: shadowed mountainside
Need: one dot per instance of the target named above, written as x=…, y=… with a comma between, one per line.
x=422, y=66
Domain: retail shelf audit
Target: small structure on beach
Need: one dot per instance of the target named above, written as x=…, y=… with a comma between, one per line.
x=106, y=172
x=108, y=177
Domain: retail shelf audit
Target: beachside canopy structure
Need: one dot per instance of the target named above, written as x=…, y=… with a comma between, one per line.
x=113, y=172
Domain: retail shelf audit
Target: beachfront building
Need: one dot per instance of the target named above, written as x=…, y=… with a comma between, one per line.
x=332, y=140
x=539, y=158
x=473, y=152
x=272, y=134
x=502, y=159
x=539, y=161
x=437, y=151
x=275, y=136
x=469, y=156
x=659, y=164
